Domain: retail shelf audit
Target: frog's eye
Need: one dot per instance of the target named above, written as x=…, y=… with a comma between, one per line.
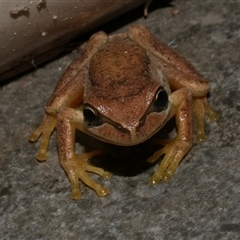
x=161, y=100
x=91, y=115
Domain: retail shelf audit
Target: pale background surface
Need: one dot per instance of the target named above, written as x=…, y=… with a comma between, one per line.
x=202, y=199
x=33, y=31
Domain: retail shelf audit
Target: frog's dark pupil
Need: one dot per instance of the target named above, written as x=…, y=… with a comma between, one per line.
x=161, y=100
x=90, y=116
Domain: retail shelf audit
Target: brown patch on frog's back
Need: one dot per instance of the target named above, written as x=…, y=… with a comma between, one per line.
x=119, y=66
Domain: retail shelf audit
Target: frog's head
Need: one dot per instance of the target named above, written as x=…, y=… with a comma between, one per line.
x=127, y=114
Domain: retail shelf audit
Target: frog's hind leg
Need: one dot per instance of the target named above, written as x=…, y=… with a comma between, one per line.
x=179, y=73
x=199, y=88
x=95, y=42
x=145, y=39
x=68, y=92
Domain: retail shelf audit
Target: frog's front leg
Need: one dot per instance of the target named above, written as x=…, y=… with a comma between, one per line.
x=76, y=166
x=175, y=150
x=68, y=92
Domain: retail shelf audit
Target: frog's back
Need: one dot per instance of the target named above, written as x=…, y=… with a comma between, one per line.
x=119, y=63
x=122, y=84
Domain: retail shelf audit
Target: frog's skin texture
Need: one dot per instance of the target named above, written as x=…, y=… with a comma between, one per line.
x=122, y=90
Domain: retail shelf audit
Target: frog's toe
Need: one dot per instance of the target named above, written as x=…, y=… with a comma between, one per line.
x=41, y=155
x=45, y=130
x=98, y=171
x=35, y=134
x=201, y=136
x=76, y=194
x=155, y=179
x=162, y=174
x=213, y=116
x=156, y=155
x=102, y=191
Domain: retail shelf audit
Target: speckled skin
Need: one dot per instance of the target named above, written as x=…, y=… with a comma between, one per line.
x=119, y=78
x=122, y=76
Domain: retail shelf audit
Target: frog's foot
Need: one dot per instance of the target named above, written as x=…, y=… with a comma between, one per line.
x=174, y=152
x=201, y=108
x=45, y=129
x=77, y=168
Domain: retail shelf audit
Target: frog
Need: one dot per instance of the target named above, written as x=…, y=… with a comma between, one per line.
x=122, y=90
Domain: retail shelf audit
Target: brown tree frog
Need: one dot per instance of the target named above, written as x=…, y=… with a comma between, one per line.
x=122, y=90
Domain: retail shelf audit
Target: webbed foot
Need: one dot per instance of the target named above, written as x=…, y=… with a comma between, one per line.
x=77, y=168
